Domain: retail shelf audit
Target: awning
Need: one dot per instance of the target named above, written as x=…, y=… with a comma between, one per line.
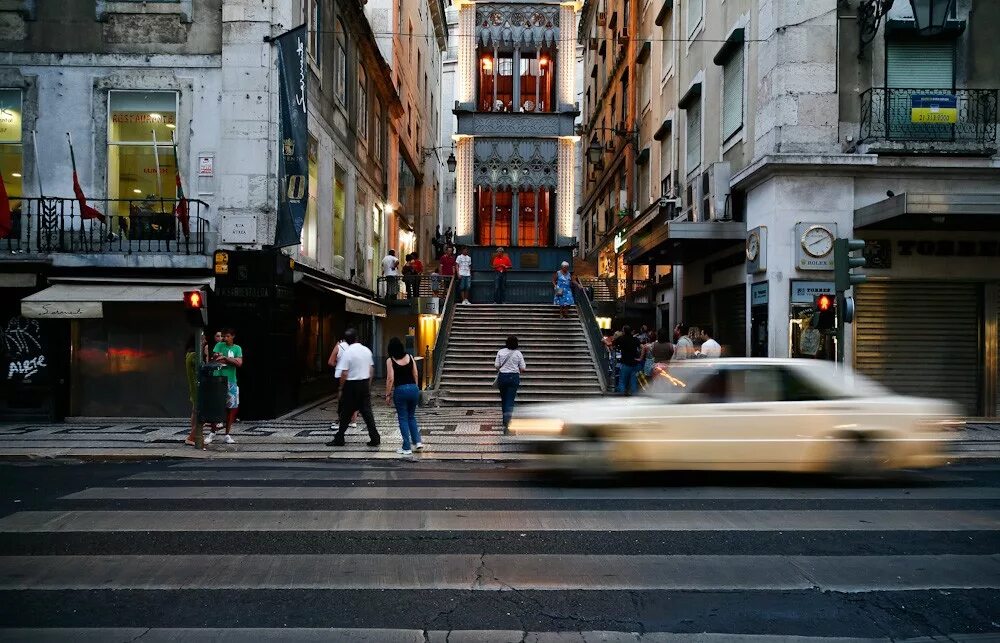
x=664, y=128
x=643, y=54
x=682, y=242
x=945, y=212
x=661, y=15
x=86, y=300
x=353, y=302
x=733, y=41
x=692, y=93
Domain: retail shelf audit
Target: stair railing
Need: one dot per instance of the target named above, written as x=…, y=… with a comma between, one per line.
x=444, y=330
x=594, y=337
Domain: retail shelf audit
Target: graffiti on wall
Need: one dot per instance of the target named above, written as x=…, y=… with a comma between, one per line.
x=22, y=344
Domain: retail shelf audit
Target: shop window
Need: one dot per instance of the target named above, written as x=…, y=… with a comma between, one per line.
x=339, y=213
x=11, y=136
x=309, y=232
x=139, y=173
x=362, y=103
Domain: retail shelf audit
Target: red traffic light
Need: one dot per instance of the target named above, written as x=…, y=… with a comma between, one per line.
x=824, y=303
x=194, y=299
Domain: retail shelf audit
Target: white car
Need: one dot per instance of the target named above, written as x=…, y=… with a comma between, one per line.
x=745, y=414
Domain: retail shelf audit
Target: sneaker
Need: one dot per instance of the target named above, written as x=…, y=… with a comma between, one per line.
x=404, y=452
x=466, y=302
x=229, y=439
x=210, y=437
x=374, y=444
x=189, y=442
x=419, y=446
x=336, y=443
x=352, y=425
x=335, y=426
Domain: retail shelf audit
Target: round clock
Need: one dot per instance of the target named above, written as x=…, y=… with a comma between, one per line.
x=817, y=241
x=753, y=245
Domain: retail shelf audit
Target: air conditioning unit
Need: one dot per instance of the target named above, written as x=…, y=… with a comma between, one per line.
x=715, y=192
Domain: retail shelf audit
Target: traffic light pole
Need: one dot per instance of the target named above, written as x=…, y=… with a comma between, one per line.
x=199, y=433
x=844, y=280
x=840, y=327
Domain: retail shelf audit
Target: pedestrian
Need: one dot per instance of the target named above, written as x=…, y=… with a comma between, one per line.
x=449, y=236
x=501, y=264
x=417, y=267
x=336, y=361
x=446, y=267
x=357, y=372
x=402, y=391
x=663, y=348
x=230, y=356
x=191, y=370
x=407, y=271
x=464, y=263
x=630, y=361
x=644, y=335
x=709, y=347
x=510, y=365
x=390, y=272
x=436, y=282
x=684, y=348
x=562, y=282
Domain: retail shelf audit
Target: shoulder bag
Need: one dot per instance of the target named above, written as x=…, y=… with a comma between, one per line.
x=496, y=378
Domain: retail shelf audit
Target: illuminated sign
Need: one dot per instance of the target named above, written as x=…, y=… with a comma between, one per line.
x=620, y=241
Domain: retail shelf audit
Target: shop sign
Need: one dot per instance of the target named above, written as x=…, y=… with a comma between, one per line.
x=62, y=309
x=206, y=166
x=878, y=254
x=933, y=108
x=804, y=292
x=758, y=294
x=948, y=248
x=620, y=241
x=293, y=165
x=238, y=229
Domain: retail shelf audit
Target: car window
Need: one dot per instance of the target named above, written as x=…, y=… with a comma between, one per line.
x=796, y=388
x=755, y=384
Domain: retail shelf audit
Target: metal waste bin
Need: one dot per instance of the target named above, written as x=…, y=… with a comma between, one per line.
x=212, y=393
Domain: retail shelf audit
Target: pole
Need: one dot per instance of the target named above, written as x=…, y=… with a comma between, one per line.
x=199, y=426
x=840, y=327
x=72, y=155
x=177, y=164
x=156, y=156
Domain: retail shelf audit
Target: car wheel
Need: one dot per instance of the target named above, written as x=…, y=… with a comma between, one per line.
x=857, y=457
x=588, y=459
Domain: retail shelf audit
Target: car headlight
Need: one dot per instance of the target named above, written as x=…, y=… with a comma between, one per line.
x=536, y=426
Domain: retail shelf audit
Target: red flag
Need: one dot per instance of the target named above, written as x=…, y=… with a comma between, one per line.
x=86, y=212
x=182, y=207
x=6, y=223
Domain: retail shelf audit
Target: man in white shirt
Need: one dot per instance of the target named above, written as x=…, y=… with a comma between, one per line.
x=390, y=270
x=357, y=368
x=685, y=347
x=464, y=263
x=336, y=361
x=709, y=347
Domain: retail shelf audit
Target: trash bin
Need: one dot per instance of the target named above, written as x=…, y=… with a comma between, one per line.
x=212, y=393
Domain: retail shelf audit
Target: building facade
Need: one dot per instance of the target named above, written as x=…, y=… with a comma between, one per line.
x=92, y=302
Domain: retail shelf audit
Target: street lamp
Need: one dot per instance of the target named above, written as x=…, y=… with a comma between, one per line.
x=452, y=162
x=931, y=16
x=595, y=152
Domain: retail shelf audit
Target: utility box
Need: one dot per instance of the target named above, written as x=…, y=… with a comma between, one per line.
x=212, y=394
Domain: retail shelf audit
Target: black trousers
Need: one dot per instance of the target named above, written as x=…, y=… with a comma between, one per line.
x=356, y=395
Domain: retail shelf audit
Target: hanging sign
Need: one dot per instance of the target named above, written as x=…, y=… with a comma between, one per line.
x=933, y=108
x=293, y=164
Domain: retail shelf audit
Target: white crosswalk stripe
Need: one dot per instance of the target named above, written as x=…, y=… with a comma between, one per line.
x=325, y=527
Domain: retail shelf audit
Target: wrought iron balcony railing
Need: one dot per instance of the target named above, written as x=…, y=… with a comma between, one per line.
x=602, y=289
x=54, y=225
x=920, y=120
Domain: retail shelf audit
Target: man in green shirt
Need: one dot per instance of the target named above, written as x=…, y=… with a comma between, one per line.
x=230, y=356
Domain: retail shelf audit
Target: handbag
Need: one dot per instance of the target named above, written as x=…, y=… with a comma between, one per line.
x=496, y=378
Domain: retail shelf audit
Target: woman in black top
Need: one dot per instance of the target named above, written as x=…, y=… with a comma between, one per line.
x=401, y=388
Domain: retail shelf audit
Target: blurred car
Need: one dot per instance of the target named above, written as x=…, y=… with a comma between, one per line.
x=744, y=414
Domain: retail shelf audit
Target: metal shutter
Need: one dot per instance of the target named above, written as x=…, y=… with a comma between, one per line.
x=732, y=94
x=996, y=359
x=921, y=64
x=693, y=136
x=731, y=320
x=920, y=338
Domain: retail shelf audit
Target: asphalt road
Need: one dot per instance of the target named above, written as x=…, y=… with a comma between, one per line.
x=435, y=551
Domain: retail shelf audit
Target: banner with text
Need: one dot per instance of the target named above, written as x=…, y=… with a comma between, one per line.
x=293, y=163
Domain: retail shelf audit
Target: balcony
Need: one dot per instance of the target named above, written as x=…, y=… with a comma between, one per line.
x=522, y=124
x=888, y=121
x=53, y=225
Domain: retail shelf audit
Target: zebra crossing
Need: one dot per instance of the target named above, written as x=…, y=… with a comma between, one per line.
x=447, y=551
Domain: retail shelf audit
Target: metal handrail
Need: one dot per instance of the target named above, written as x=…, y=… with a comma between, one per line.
x=594, y=337
x=444, y=330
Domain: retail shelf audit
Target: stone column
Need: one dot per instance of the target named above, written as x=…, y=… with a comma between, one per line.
x=464, y=148
x=565, y=194
x=466, y=85
x=566, y=57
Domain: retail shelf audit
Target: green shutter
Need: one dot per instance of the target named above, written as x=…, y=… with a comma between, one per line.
x=693, y=136
x=920, y=64
x=732, y=94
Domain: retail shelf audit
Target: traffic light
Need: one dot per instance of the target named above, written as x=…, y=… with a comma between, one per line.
x=844, y=263
x=196, y=307
x=826, y=312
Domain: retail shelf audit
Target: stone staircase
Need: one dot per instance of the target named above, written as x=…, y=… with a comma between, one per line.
x=560, y=364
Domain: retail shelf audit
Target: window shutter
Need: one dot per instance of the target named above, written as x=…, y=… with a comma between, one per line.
x=920, y=64
x=732, y=94
x=693, y=136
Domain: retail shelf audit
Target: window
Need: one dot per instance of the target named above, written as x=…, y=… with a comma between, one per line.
x=362, y=103
x=309, y=236
x=694, y=12
x=916, y=67
x=732, y=94
x=693, y=157
x=11, y=135
x=137, y=170
x=314, y=27
x=339, y=213
x=645, y=90
x=537, y=88
x=665, y=162
x=377, y=139
x=643, y=179
x=340, y=73
x=667, y=51
x=377, y=251
x=496, y=83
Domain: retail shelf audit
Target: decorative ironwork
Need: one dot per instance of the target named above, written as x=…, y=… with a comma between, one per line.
x=886, y=117
x=870, y=14
x=515, y=163
x=507, y=25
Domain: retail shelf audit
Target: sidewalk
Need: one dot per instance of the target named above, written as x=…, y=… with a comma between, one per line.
x=450, y=433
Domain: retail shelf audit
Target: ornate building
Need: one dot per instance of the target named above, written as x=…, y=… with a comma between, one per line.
x=514, y=143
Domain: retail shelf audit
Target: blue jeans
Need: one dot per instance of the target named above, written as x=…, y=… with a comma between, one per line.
x=500, y=288
x=405, y=398
x=508, y=392
x=628, y=378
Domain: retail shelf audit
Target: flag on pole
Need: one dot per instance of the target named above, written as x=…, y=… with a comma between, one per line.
x=181, y=209
x=86, y=212
x=6, y=223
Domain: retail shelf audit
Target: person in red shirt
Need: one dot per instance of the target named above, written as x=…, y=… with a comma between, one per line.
x=446, y=266
x=501, y=264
